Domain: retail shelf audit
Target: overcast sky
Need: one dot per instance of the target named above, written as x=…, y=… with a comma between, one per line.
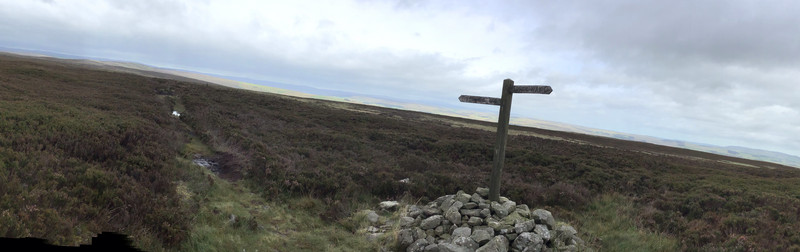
x=717, y=72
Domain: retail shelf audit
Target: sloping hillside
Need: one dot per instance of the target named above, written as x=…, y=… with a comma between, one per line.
x=85, y=150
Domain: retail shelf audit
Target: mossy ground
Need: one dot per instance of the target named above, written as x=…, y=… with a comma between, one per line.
x=259, y=224
x=609, y=224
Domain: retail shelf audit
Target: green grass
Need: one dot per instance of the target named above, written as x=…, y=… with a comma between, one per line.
x=261, y=224
x=195, y=146
x=608, y=223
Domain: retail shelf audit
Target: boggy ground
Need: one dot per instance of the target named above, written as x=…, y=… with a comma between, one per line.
x=84, y=151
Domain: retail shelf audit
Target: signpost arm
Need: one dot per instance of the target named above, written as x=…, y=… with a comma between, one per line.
x=502, y=137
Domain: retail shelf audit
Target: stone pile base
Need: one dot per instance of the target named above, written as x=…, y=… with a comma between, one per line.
x=464, y=222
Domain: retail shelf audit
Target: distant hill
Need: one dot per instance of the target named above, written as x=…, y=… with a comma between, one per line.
x=136, y=68
x=733, y=151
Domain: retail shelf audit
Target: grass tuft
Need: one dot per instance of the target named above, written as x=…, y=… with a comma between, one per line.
x=608, y=223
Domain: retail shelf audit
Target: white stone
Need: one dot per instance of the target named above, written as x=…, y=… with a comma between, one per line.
x=388, y=205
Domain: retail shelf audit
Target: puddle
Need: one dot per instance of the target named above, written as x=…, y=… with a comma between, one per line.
x=224, y=165
x=211, y=165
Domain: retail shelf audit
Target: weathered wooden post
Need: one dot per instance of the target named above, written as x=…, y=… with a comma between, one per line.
x=502, y=125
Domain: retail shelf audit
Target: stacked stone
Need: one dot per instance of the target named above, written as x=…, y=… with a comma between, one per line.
x=464, y=222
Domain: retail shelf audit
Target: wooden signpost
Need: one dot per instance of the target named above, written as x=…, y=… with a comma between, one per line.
x=502, y=125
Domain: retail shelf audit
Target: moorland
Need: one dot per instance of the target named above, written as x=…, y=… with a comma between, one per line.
x=85, y=150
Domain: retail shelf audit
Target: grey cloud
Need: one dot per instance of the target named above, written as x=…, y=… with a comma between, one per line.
x=732, y=32
x=674, y=46
x=720, y=71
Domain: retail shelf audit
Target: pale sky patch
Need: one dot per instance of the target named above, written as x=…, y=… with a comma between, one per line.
x=717, y=72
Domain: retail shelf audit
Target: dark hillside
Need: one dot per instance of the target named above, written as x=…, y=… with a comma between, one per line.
x=87, y=150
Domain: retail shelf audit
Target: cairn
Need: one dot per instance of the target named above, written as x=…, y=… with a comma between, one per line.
x=464, y=222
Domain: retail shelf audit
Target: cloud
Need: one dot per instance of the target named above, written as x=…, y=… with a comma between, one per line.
x=709, y=71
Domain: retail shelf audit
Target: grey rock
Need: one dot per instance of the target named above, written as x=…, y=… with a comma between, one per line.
x=372, y=217
x=476, y=198
x=499, y=227
x=418, y=246
x=485, y=213
x=419, y=233
x=487, y=228
x=431, y=239
x=523, y=210
x=453, y=215
x=525, y=226
x=496, y=244
x=493, y=223
x=566, y=230
x=565, y=235
x=439, y=230
x=506, y=230
x=431, y=248
x=463, y=222
x=431, y=222
x=543, y=217
x=457, y=205
x=466, y=242
x=498, y=209
x=527, y=241
x=543, y=231
x=388, y=205
x=451, y=229
x=475, y=221
x=462, y=231
x=511, y=236
x=446, y=204
x=445, y=237
x=446, y=223
x=449, y=247
x=482, y=191
x=512, y=219
x=440, y=200
x=431, y=210
x=405, y=237
x=510, y=206
x=463, y=198
x=502, y=199
x=406, y=221
x=414, y=211
x=482, y=236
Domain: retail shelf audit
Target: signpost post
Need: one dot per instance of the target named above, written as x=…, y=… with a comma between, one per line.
x=502, y=125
